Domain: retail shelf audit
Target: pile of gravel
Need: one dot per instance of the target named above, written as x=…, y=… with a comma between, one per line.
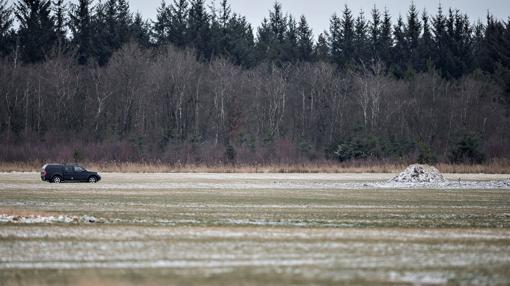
x=419, y=174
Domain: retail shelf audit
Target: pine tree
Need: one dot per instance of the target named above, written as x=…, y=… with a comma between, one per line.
x=37, y=29
x=6, y=33
x=225, y=13
x=347, y=43
x=161, y=27
x=321, y=51
x=454, y=43
x=107, y=39
x=375, y=32
x=290, y=49
x=478, y=44
x=271, y=36
x=110, y=19
x=399, y=51
x=60, y=22
x=360, y=53
x=495, y=51
x=441, y=51
x=220, y=38
x=505, y=51
x=412, y=36
x=124, y=20
x=101, y=36
x=216, y=33
x=305, y=41
x=140, y=31
x=449, y=65
x=504, y=69
x=426, y=44
x=198, y=32
x=386, y=39
x=240, y=42
x=111, y=28
x=80, y=23
x=264, y=41
x=450, y=26
x=278, y=22
x=335, y=41
x=177, y=33
x=5, y=18
x=463, y=46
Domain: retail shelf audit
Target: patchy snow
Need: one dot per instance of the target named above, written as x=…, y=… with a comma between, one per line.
x=419, y=278
x=209, y=263
x=337, y=256
x=446, y=185
x=264, y=185
x=60, y=219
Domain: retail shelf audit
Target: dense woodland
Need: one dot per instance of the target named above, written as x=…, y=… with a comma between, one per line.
x=93, y=81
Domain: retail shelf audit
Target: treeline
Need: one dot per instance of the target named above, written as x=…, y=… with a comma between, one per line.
x=94, y=82
x=92, y=32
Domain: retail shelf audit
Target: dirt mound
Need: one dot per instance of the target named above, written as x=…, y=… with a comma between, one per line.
x=419, y=174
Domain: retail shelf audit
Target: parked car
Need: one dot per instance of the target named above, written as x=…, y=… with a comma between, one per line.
x=57, y=173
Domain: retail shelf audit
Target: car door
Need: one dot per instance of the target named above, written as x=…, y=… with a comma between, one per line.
x=69, y=173
x=80, y=174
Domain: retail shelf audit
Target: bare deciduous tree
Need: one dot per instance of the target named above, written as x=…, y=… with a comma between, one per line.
x=165, y=105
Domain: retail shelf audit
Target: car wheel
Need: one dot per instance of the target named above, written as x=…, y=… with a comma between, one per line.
x=57, y=180
x=92, y=179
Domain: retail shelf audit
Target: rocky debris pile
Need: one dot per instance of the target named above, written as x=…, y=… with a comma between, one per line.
x=61, y=219
x=419, y=174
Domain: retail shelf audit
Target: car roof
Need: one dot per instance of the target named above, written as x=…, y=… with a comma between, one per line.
x=52, y=166
x=61, y=165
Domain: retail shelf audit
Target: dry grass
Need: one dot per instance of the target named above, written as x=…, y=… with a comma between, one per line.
x=492, y=167
x=25, y=213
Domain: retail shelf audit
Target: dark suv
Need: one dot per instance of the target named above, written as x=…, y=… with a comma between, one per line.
x=57, y=173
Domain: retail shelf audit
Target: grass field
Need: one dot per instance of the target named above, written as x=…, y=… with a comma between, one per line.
x=253, y=229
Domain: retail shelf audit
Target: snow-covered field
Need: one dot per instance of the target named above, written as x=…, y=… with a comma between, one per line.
x=253, y=229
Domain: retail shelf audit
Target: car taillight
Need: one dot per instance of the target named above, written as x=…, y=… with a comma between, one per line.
x=43, y=173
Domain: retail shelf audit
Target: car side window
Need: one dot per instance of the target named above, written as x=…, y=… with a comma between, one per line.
x=78, y=169
x=68, y=169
